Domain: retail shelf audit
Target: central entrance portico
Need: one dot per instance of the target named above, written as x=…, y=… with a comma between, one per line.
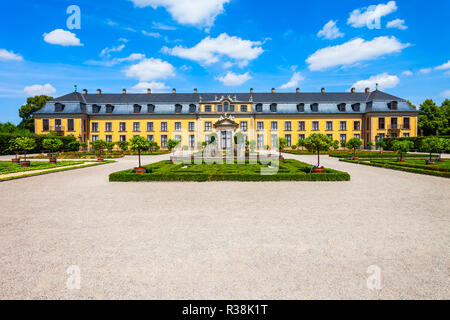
x=226, y=126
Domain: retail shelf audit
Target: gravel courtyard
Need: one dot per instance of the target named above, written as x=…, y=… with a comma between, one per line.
x=225, y=240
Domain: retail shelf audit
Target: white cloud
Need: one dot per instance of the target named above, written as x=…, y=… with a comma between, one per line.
x=142, y=87
x=354, y=51
x=123, y=40
x=397, y=23
x=211, y=50
x=161, y=26
x=38, y=89
x=106, y=52
x=294, y=82
x=407, y=73
x=444, y=66
x=200, y=13
x=330, y=31
x=445, y=94
x=150, y=69
x=112, y=62
x=425, y=70
x=362, y=17
x=6, y=55
x=62, y=37
x=151, y=34
x=384, y=80
x=232, y=79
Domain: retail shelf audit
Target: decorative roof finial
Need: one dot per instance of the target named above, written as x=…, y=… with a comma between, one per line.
x=75, y=88
x=377, y=86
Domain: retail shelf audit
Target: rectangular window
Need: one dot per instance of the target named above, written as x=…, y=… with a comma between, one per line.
x=192, y=141
x=315, y=126
x=357, y=136
x=343, y=125
x=330, y=135
x=177, y=126
x=84, y=125
x=301, y=126
x=287, y=126
x=219, y=108
x=244, y=126
x=208, y=126
x=122, y=126
x=356, y=125
x=406, y=135
x=232, y=108
x=150, y=127
x=45, y=125
x=244, y=108
x=94, y=137
x=108, y=127
x=108, y=138
x=394, y=123
x=122, y=138
x=94, y=126
x=288, y=139
x=71, y=125
x=329, y=126
x=260, y=139
x=260, y=125
x=164, y=127
x=136, y=126
x=164, y=141
x=301, y=136
x=274, y=140
x=381, y=123
x=343, y=137
x=274, y=125
x=58, y=125
x=406, y=124
x=381, y=136
x=208, y=108
x=191, y=126
x=150, y=137
x=178, y=138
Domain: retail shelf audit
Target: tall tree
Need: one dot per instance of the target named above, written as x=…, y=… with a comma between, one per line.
x=445, y=109
x=26, y=111
x=431, y=118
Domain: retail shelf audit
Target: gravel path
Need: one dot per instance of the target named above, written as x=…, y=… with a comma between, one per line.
x=225, y=240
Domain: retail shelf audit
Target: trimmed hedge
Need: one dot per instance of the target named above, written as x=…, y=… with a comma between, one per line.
x=378, y=155
x=6, y=137
x=157, y=172
x=388, y=165
x=416, y=140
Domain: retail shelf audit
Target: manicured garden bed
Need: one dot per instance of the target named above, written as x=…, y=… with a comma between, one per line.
x=441, y=169
x=7, y=167
x=289, y=170
x=377, y=154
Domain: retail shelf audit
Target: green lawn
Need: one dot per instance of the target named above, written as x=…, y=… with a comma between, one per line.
x=9, y=167
x=289, y=170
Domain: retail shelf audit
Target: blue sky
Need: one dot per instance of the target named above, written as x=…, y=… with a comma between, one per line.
x=225, y=46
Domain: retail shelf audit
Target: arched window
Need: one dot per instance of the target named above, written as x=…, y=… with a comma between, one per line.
x=178, y=108
x=341, y=107
x=109, y=108
x=314, y=107
x=356, y=107
x=96, y=108
x=301, y=107
x=150, y=108
x=59, y=107
x=225, y=106
x=192, y=108
x=259, y=107
x=393, y=105
x=137, y=108
x=273, y=107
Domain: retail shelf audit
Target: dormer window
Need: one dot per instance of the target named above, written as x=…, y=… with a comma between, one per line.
x=137, y=108
x=314, y=107
x=96, y=108
x=259, y=107
x=192, y=108
x=273, y=107
x=109, y=108
x=341, y=107
x=178, y=108
x=150, y=108
x=356, y=107
x=301, y=107
x=393, y=105
x=225, y=106
x=369, y=104
x=59, y=107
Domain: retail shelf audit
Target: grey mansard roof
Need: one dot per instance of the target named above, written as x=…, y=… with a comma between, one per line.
x=76, y=103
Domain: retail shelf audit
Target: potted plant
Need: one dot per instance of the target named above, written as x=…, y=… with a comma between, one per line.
x=335, y=145
x=123, y=145
x=402, y=147
x=380, y=144
x=25, y=144
x=83, y=146
x=343, y=144
x=431, y=144
x=99, y=146
x=369, y=145
x=301, y=143
x=139, y=144
x=153, y=145
x=14, y=147
x=354, y=144
x=172, y=143
x=315, y=143
x=53, y=145
x=110, y=146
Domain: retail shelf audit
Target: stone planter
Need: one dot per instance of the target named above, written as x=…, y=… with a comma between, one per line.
x=318, y=170
x=441, y=160
x=401, y=160
x=100, y=159
x=140, y=170
x=25, y=163
x=52, y=160
x=431, y=162
x=355, y=158
x=15, y=160
x=281, y=158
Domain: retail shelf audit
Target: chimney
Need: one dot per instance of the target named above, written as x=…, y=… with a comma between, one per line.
x=273, y=90
x=322, y=90
x=149, y=91
x=251, y=91
x=367, y=90
x=84, y=91
x=124, y=91
x=297, y=90
x=353, y=90
x=195, y=91
x=99, y=91
x=174, y=91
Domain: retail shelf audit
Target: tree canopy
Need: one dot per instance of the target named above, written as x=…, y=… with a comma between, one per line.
x=26, y=111
x=433, y=118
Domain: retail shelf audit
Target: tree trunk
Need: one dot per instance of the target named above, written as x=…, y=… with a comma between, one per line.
x=139, y=156
x=318, y=158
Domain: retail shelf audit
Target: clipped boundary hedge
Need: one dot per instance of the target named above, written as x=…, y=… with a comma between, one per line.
x=377, y=155
x=39, y=138
x=436, y=173
x=416, y=140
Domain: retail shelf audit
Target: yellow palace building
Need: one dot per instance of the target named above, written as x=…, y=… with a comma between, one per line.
x=193, y=117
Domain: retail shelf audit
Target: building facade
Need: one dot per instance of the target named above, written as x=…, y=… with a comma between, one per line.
x=193, y=117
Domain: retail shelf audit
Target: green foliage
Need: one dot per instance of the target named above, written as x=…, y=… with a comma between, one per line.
x=343, y=143
x=26, y=111
x=74, y=146
x=402, y=147
x=123, y=145
x=239, y=138
x=52, y=145
x=139, y=144
x=6, y=137
x=282, y=143
x=110, y=145
x=432, y=144
x=252, y=145
x=153, y=145
x=318, y=142
x=301, y=143
x=172, y=143
x=370, y=144
x=335, y=144
x=380, y=144
x=294, y=147
x=99, y=146
x=354, y=144
x=433, y=118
